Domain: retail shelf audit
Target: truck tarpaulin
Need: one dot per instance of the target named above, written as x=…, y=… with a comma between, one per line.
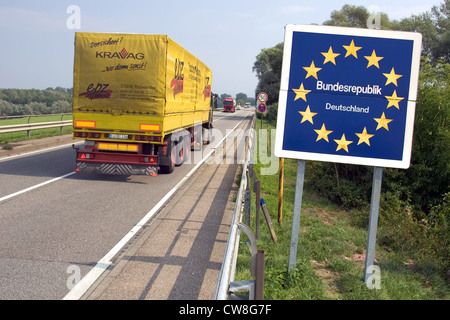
x=130, y=75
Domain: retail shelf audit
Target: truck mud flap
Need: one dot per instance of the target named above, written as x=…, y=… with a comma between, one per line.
x=116, y=169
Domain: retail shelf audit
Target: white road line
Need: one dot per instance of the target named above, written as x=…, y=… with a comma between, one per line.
x=35, y=186
x=87, y=281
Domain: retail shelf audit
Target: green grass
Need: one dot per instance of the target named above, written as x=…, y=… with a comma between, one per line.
x=330, y=241
x=6, y=138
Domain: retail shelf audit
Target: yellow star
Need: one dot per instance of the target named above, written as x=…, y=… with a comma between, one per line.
x=307, y=115
x=382, y=122
x=301, y=92
x=343, y=143
x=329, y=56
x=351, y=50
x=364, y=137
x=322, y=133
x=312, y=70
x=393, y=100
x=373, y=60
x=392, y=77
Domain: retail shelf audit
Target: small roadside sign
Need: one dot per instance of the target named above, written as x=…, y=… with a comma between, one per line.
x=262, y=97
x=262, y=108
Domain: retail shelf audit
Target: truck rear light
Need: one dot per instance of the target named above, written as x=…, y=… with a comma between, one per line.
x=141, y=138
x=150, y=159
x=95, y=135
x=81, y=134
x=147, y=138
x=87, y=156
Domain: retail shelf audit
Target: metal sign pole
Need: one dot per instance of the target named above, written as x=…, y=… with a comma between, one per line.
x=373, y=221
x=296, y=214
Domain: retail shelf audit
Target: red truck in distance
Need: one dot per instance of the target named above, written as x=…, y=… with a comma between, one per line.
x=229, y=105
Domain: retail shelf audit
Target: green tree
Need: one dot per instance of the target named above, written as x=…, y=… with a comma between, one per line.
x=241, y=96
x=349, y=16
x=435, y=29
x=268, y=71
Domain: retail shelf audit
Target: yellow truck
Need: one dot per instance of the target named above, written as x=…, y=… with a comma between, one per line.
x=141, y=103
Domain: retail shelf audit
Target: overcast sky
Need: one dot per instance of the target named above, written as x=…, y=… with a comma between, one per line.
x=36, y=46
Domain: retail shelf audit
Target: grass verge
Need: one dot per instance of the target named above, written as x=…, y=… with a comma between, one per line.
x=7, y=138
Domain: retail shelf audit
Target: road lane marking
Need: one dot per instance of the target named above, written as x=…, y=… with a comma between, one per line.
x=91, y=277
x=36, y=186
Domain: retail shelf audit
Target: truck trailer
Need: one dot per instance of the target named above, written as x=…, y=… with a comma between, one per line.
x=140, y=102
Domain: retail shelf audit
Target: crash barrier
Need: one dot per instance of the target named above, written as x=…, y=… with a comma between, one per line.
x=226, y=286
x=255, y=288
x=34, y=126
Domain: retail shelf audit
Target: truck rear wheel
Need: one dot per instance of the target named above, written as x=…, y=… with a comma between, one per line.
x=170, y=158
x=198, y=138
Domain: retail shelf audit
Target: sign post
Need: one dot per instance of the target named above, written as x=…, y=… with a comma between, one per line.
x=373, y=221
x=347, y=95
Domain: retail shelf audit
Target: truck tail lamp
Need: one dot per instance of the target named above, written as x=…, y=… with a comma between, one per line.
x=87, y=156
x=86, y=135
x=147, y=138
x=150, y=160
x=81, y=134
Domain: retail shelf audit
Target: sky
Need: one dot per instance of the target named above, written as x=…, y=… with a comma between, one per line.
x=37, y=46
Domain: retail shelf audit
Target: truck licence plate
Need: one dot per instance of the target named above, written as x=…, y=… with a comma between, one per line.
x=118, y=136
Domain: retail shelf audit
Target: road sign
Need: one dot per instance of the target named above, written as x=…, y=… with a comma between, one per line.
x=262, y=108
x=348, y=95
x=262, y=97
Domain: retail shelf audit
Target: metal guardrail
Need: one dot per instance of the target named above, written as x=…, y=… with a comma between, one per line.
x=226, y=275
x=34, y=126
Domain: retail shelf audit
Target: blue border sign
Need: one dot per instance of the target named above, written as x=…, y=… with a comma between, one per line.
x=348, y=95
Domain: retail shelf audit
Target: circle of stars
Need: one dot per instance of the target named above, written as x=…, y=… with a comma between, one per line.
x=372, y=61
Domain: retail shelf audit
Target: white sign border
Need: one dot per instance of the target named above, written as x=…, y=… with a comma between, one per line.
x=285, y=71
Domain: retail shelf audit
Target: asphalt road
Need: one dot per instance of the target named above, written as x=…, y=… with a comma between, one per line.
x=56, y=225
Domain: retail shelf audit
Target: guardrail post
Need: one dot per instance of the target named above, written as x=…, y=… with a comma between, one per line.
x=255, y=287
x=247, y=206
x=28, y=131
x=61, y=128
x=259, y=275
x=258, y=205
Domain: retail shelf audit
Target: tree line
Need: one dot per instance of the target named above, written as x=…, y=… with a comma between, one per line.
x=415, y=202
x=14, y=102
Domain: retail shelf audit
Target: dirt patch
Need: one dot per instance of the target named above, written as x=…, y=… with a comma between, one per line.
x=328, y=277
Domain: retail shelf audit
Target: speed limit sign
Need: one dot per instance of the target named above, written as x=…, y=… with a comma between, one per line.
x=262, y=97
